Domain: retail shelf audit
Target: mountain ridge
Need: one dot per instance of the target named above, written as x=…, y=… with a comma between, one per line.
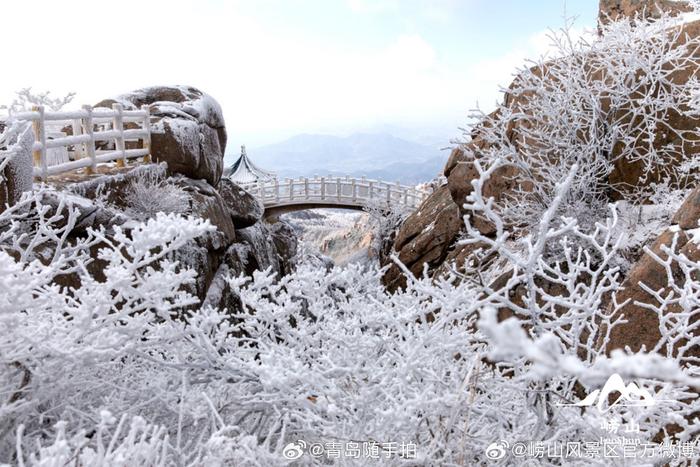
x=375, y=155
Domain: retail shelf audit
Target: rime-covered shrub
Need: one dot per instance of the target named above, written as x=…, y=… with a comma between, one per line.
x=151, y=192
x=128, y=369
x=25, y=99
x=619, y=99
x=384, y=220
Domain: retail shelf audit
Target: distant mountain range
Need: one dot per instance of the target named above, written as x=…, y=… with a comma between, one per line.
x=374, y=155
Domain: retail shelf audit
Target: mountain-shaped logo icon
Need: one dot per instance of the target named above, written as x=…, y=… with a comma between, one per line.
x=631, y=395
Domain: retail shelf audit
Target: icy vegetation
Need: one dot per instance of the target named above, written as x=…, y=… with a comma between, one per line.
x=130, y=370
x=150, y=193
x=597, y=105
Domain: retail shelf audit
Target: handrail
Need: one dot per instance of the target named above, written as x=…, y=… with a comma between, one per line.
x=335, y=191
x=88, y=126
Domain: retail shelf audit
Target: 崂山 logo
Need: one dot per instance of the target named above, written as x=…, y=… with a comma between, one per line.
x=615, y=393
x=631, y=395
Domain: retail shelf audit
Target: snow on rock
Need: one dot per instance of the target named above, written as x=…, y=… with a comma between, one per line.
x=649, y=273
x=205, y=202
x=687, y=216
x=244, y=208
x=612, y=10
x=425, y=237
x=259, y=247
x=286, y=243
x=263, y=248
x=187, y=131
x=238, y=260
x=214, y=256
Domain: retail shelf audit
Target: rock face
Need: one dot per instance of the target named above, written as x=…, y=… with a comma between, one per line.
x=642, y=328
x=238, y=259
x=187, y=146
x=244, y=208
x=612, y=10
x=258, y=247
x=286, y=244
x=626, y=176
x=425, y=236
x=187, y=129
x=688, y=214
x=264, y=250
x=104, y=201
x=207, y=203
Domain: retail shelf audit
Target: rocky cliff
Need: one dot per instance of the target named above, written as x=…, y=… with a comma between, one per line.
x=612, y=10
x=187, y=146
x=429, y=240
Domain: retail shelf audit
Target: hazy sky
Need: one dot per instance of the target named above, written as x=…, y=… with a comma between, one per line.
x=280, y=67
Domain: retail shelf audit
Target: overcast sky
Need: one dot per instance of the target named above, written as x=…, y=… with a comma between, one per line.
x=280, y=67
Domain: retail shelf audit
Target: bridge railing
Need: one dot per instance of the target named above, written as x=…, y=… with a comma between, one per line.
x=98, y=135
x=335, y=190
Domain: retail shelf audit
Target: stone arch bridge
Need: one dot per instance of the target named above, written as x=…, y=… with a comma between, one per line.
x=282, y=196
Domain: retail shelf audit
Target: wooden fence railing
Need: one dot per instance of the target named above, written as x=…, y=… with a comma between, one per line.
x=98, y=136
x=335, y=191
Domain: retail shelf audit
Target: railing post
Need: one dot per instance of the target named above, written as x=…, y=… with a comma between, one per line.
x=78, y=131
x=338, y=188
x=371, y=190
x=89, y=129
x=118, y=125
x=277, y=190
x=388, y=194
x=261, y=191
x=40, y=135
x=291, y=188
x=405, y=196
x=323, y=188
x=354, y=190
x=147, y=128
x=306, y=187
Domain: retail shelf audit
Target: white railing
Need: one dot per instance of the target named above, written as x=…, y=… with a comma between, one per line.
x=334, y=191
x=55, y=153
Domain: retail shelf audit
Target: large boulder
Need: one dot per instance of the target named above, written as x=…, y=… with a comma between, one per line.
x=613, y=10
x=688, y=214
x=187, y=129
x=469, y=256
x=263, y=246
x=425, y=237
x=237, y=260
x=502, y=182
x=106, y=200
x=204, y=254
x=259, y=247
x=286, y=244
x=642, y=326
x=244, y=208
x=679, y=132
x=205, y=202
